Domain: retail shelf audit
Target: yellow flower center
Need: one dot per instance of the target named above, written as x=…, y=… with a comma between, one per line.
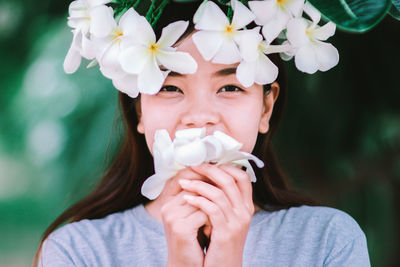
x=153, y=48
x=229, y=30
x=116, y=35
x=309, y=32
x=282, y=3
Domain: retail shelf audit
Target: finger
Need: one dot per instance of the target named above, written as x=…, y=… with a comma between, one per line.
x=213, y=212
x=212, y=193
x=197, y=219
x=172, y=186
x=222, y=180
x=243, y=182
x=176, y=207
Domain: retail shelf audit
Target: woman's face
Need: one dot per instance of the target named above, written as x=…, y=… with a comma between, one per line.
x=211, y=98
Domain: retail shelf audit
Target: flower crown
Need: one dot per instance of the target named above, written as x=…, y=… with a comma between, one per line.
x=123, y=43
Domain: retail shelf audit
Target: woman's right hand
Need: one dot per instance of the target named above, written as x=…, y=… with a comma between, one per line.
x=182, y=223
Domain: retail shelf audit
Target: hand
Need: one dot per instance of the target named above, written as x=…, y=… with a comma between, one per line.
x=181, y=223
x=229, y=206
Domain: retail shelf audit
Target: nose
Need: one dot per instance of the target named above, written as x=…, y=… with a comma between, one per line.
x=200, y=113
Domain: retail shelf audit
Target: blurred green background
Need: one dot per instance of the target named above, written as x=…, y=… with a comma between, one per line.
x=339, y=140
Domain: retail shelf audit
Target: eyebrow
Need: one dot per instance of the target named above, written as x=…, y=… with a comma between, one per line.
x=223, y=72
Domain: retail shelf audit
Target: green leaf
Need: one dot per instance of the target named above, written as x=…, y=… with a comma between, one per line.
x=353, y=15
x=395, y=9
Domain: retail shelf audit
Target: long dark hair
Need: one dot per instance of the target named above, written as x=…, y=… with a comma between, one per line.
x=119, y=189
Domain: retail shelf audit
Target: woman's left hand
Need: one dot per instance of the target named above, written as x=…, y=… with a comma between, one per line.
x=229, y=205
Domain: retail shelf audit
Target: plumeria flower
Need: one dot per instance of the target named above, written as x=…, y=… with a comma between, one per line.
x=112, y=38
x=80, y=20
x=311, y=54
x=127, y=84
x=143, y=58
x=192, y=147
x=275, y=14
x=217, y=37
x=256, y=66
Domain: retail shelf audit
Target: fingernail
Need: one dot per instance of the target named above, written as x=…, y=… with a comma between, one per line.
x=183, y=182
x=188, y=197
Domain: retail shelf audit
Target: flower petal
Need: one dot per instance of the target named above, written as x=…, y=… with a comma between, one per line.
x=263, y=10
x=129, y=21
x=102, y=21
x=89, y=50
x=312, y=12
x=109, y=64
x=162, y=139
x=306, y=60
x=212, y=19
x=180, y=62
x=150, y=78
x=72, y=60
x=153, y=186
x=189, y=134
x=228, y=53
x=199, y=12
x=227, y=141
x=273, y=28
x=256, y=160
x=127, y=85
x=145, y=34
x=93, y=3
x=77, y=11
x=191, y=154
x=171, y=33
x=267, y=72
x=324, y=32
x=208, y=43
x=241, y=15
x=296, y=32
x=296, y=7
x=246, y=72
x=327, y=56
x=270, y=49
x=213, y=147
x=134, y=58
x=248, y=41
x=249, y=169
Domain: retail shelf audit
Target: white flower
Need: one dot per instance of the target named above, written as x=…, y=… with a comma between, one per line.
x=146, y=55
x=311, y=54
x=80, y=20
x=79, y=13
x=127, y=84
x=112, y=38
x=275, y=14
x=192, y=147
x=80, y=47
x=256, y=66
x=217, y=38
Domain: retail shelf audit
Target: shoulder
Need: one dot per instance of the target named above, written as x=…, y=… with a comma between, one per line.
x=80, y=242
x=322, y=218
x=326, y=233
x=307, y=216
x=113, y=223
x=320, y=223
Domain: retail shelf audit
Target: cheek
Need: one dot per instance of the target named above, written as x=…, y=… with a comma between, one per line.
x=155, y=117
x=244, y=125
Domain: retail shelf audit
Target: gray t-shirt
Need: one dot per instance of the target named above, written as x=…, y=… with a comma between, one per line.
x=303, y=236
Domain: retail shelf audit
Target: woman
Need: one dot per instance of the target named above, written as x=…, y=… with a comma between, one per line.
x=208, y=214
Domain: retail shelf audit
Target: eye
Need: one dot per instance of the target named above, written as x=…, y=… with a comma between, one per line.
x=170, y=88
x=230, y=88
